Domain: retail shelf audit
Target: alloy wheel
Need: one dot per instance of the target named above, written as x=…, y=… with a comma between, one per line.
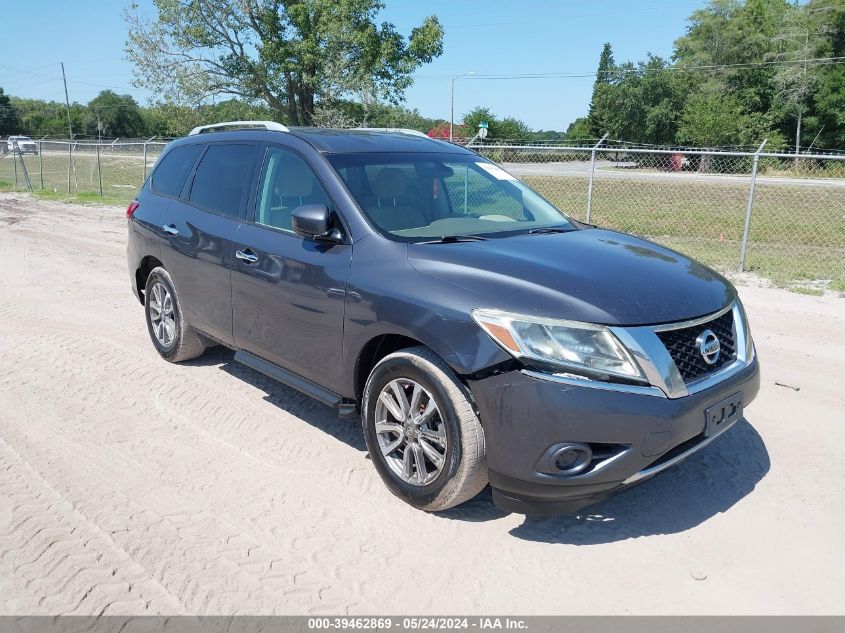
x=162, y=316
x=410, y=431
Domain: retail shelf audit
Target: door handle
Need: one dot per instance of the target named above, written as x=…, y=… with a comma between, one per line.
x=247, y=256
x=170, y=229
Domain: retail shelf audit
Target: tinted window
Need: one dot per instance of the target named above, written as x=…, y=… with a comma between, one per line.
x=287, y=182
x=222, y=178
x=170, y=175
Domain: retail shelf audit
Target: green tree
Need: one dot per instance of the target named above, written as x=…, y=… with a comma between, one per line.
x=803, y=36
x=645, y=102
x=723, y=120
x=827, y=117
x=288, y=53
x=169, y=119
x=511, y=128
x=9, y=120
x=357, y=114
x=552, y=135
x=711, y=120
x=111, y=114
x=725, y=43
x=579, y=131
x=475, y=116
x=600, y=114
x=41, y=117
x=500, y=129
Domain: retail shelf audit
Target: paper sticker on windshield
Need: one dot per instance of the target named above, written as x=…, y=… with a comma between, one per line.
x=495, y=171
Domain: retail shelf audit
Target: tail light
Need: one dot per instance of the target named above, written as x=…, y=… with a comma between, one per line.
x=131, y=208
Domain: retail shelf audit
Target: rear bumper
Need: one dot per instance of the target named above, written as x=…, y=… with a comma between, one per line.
x=523, y=416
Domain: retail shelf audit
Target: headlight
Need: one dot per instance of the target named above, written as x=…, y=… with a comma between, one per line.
x=582, y=348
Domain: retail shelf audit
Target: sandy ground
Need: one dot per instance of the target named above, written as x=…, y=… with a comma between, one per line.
x=129, y=485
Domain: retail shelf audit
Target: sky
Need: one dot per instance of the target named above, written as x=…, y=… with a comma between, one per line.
x=487, y=37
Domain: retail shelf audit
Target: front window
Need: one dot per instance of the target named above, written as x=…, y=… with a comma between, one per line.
x=287, y=182
x=415, y=197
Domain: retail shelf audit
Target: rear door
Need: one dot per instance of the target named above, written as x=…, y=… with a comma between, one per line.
x=156, y=196
x=288, y=292
x=200, y=228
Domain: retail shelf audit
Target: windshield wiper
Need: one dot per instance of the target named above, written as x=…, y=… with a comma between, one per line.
x=451, y=239
x=549, y=229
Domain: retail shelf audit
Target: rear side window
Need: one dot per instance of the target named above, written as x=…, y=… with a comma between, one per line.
x=222, y=178
x=173, y=170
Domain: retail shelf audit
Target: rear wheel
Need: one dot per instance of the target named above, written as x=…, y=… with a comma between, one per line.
x=422, y=431
x=174, y=339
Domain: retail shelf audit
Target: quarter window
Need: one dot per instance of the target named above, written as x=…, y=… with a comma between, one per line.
x=171, y=173
x=287, y=182
x=222, y=178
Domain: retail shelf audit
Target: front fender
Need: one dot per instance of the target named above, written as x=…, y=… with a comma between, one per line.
x=385, y=295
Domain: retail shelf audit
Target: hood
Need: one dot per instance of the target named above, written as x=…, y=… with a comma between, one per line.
x=592, y=275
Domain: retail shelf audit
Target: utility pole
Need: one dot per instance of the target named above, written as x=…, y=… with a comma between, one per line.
x=67, y=103
x=69, y=130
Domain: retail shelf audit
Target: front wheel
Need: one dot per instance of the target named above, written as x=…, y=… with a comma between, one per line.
x=422, y=432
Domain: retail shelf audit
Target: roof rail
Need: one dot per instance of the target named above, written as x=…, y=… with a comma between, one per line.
x=267, y=125
x=402, y=130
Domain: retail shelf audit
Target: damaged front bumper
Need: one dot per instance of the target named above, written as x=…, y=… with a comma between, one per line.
x=529, y=418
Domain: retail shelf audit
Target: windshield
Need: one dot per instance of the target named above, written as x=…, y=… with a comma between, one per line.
x=414, y=197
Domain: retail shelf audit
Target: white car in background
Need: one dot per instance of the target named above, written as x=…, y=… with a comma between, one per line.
x=25, y=144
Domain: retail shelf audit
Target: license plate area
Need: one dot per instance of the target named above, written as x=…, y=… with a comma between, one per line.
x=722, y=414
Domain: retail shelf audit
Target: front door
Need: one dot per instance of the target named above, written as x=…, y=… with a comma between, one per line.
x=288, y=292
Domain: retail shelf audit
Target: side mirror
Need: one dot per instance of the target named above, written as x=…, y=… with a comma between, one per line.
x=311, y=221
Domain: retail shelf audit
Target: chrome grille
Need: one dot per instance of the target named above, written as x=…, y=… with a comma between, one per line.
x=682, y=347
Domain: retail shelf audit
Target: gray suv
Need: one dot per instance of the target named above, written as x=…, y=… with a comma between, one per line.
x=480, y=334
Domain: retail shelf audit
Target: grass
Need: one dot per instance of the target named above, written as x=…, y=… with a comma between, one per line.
x=813, y=292
x=83, y=197
x=837, y=285
x=121, y=175
x=797, y=232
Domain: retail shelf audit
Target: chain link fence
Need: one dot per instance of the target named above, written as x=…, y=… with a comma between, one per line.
x=113, y=170
x=781, y=216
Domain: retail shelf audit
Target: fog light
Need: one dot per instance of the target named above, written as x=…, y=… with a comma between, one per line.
x=571, y=459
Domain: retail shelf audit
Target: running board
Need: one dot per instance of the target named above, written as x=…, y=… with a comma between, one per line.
x=345, y=408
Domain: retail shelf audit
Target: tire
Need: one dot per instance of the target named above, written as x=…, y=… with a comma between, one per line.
x=180, y=342
x=463, y=473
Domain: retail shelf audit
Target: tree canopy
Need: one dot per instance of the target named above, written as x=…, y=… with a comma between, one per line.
x=597, y=119
x=111, y=114
x=505, y=128
x=743, y=71
x=9, y=121
x=290, y=54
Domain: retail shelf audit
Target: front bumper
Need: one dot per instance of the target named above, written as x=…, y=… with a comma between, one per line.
x=523, y=415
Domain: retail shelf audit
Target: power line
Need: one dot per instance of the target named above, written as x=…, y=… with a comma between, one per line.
x=822, y=61
x=58, y=78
